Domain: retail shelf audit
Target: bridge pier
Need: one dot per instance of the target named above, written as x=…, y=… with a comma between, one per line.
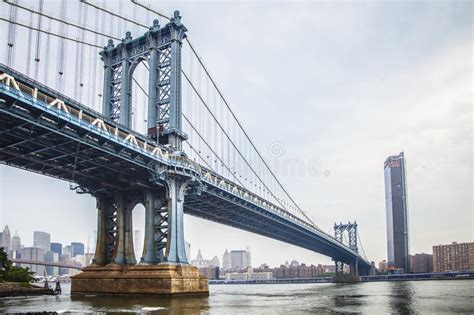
x=114, y=269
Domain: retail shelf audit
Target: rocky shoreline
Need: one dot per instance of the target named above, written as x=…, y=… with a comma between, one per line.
x=22, y=289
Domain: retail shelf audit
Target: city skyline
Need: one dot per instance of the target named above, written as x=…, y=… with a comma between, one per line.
x=431, y=122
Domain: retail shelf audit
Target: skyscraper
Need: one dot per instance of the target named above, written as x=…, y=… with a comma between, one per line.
x=239, y=259
x=6, y=238
x=57, y=248
x=77, y=249
x=42, y=240
x=397, y=212
x=16, y=242
x=226, y=264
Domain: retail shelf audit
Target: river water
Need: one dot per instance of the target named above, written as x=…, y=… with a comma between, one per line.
x=425, y=297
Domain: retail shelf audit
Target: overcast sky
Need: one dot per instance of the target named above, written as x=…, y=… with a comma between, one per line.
x=345, y=84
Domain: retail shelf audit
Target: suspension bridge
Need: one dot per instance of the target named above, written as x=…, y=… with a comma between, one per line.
x=144, y=124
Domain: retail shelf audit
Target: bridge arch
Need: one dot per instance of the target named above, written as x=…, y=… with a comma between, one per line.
x=139, y=91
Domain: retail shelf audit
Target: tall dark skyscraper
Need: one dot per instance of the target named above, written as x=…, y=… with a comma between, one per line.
x=397, y=212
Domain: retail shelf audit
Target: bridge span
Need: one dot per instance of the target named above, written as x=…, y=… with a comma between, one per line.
x=101, y=154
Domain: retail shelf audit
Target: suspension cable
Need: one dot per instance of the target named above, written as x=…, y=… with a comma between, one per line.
x=51, y=17
x=233, y=114
x=50, y=33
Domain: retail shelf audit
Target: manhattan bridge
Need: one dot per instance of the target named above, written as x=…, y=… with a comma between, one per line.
x=117, y=102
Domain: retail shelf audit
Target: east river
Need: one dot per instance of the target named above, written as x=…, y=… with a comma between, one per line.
x=413, y=297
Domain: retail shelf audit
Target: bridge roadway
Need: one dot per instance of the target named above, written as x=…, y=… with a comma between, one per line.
x=49, y=133
x=44, y=263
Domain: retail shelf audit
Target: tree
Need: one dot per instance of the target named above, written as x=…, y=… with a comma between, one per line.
x=11, y=273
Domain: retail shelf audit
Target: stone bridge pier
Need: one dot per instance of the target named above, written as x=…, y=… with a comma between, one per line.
x=163, y=268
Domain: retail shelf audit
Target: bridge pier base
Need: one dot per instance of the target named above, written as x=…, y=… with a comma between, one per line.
x=159, y=279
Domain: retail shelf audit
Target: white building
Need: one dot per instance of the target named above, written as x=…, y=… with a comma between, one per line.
x=249, y=275
x=226, y=264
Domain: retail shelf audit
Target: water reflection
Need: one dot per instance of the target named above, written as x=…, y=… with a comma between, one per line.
x=149, y=305
x=402, y=295
x=347, y=296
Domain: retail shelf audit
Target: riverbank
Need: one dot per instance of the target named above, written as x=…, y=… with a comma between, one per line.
x=8, y=289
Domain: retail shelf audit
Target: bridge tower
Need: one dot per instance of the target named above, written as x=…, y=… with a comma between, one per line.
x=164, y=261
x=339, y=232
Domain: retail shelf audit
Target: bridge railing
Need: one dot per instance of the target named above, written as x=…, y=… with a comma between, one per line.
x=241, y=192
x=83, y=115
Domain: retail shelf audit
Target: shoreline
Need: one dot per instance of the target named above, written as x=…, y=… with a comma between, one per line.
x=12, y=289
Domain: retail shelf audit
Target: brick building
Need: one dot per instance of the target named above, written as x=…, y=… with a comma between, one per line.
x=453, y=257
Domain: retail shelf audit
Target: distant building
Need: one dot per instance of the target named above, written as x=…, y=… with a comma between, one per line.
x=211, y=273
x=33, y=254
x=6, y=238
x=57, y=248
x=397, y=212
x=226, y=263
x=383, y=265
x=67, y=250
x=249, y=275
x=65, y=259
x=239, y=259
x=77, y=249
x=453, y=257
x=329, y=268
x=296, y=270
x=421, y=263
x=52, y=258
x=42, y=240
x=202, y=263
x=16, y=242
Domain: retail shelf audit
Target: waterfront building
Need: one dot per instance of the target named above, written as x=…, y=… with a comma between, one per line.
x=42, y=240
x=226, y=263
x=296, y=270
x=383, y=265
x=57, y=248
x=396, y=212
x=248, y=275
x=77, y=249
x=211, y=273
x=6, y=238
x=421, y=263
x=52, y=258
x=453, y=257
x=33, y=254
x=329, y=268
x=16, y=242
x=239, y=259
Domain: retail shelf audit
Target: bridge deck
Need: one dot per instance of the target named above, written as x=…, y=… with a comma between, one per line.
x=46, y=132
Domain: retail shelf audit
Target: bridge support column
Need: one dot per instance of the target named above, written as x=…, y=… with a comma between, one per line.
x=125, y=253
x=175, y=249
x=105, y=245
x=155, y=228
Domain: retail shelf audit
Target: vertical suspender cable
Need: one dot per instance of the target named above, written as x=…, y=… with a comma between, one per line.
x=46, y=56
x=11, y=36
x=38, y=39
x=28, y=51
x=82, y=67
x=62, y=47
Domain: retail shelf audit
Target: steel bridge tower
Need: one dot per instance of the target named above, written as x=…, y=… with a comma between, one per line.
x=164, y=252
x=339, y=232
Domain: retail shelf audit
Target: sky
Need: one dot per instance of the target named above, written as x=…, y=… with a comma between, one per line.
x=337, y=85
